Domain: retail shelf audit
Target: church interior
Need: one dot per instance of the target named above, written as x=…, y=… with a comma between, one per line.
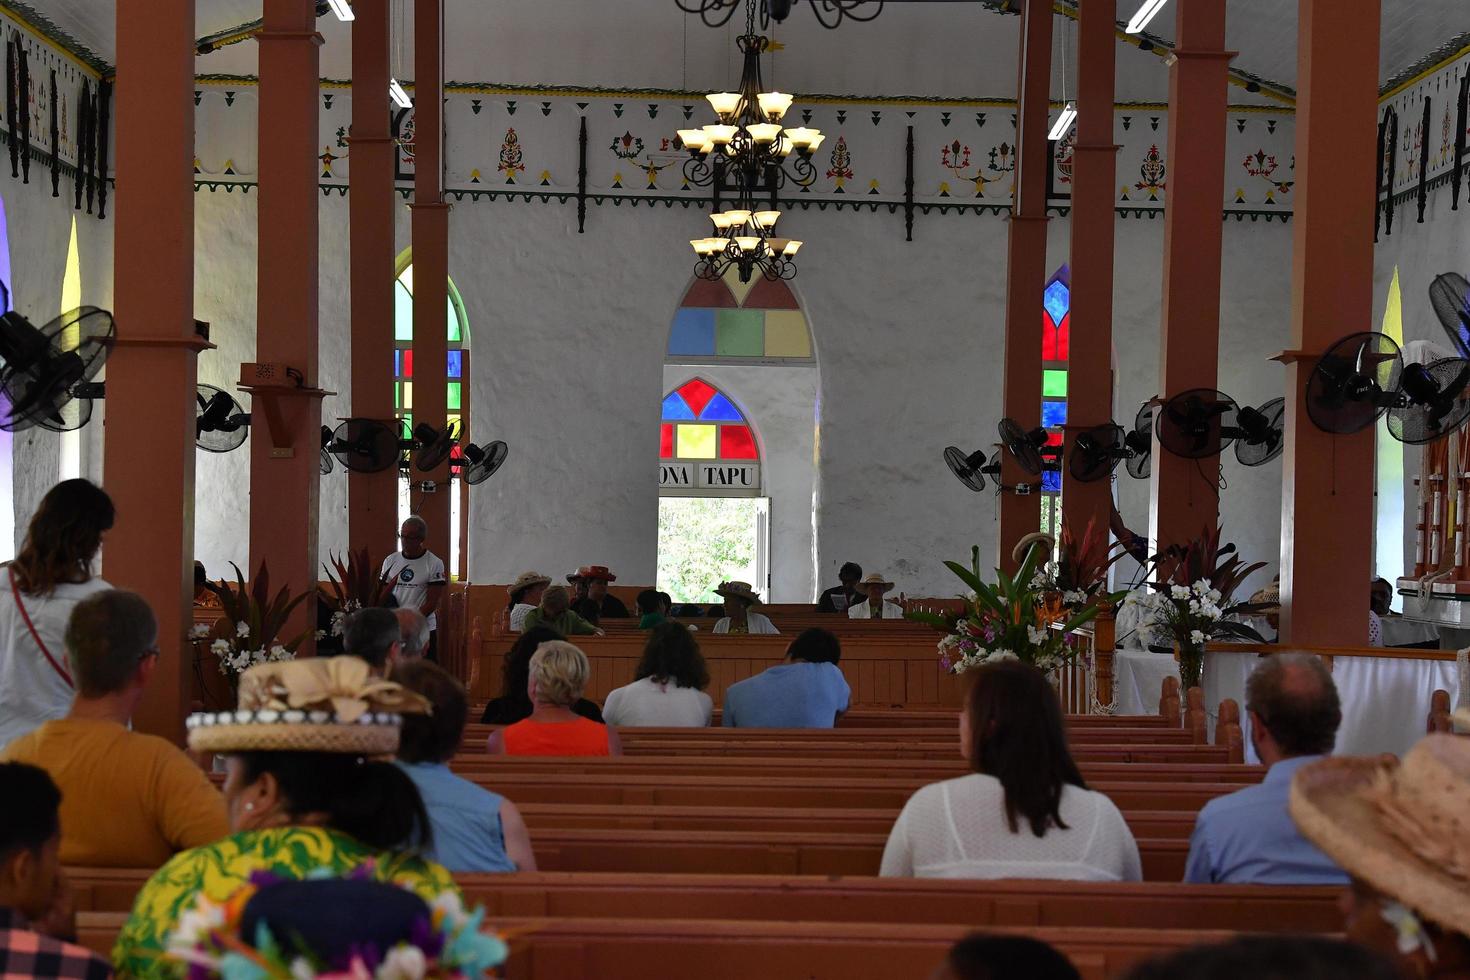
x=1126, y=339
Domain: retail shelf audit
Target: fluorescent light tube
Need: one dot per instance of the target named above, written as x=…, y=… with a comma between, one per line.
x=1144, y=15
x=342, y=9
x=1064, y=122
x=398, y=95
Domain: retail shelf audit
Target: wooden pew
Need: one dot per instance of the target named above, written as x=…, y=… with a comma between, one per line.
x=1256, y=908
x=644, y=949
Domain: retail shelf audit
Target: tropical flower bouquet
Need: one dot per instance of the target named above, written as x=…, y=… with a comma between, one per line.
x=355, y=585
x=1082, y=564
x=248, y=633
x=446, y=945
x=1194, y=600
x=1015, y=619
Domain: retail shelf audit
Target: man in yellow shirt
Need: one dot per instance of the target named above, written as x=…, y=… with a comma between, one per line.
x=127, y=799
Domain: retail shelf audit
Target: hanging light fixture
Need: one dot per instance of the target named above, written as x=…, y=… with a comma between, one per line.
x=745, y=155
x=717, y=13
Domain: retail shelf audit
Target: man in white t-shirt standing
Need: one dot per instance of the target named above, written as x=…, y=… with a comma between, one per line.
x=421, y=577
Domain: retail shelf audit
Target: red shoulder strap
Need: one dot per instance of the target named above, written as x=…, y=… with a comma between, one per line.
x=55, y=664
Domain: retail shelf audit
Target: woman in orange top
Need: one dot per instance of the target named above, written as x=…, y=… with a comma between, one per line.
x=559, y=672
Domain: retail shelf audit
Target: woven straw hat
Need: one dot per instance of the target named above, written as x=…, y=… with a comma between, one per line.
x=1270, y=597
x=1399, y=827
x=320, y=704
x=1041, y=538
x=876, y=579
x=738, y=590
x=527, y=579
x=593, y=573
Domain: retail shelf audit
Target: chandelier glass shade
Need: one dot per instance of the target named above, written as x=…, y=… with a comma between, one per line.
x=747, y=156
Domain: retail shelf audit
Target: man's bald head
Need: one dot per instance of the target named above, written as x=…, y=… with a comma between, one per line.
x=1294, y=698
x=413, y=630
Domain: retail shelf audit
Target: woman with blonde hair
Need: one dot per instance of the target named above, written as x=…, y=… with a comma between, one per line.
x=559, y=672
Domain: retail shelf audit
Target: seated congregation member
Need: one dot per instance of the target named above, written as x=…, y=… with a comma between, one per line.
x=996, y=957
x=1025, y=811
x=525, y=595
x=128, y=799
x=34, y=912
x=597, y=604
x=306, y=797
x=651, y=610
x=413, y=634
x=555, y=613
x=514, y=704
x=474, y=829
x=669, y=688
x=807, y=691
x=739, y=598
x=558, y=673
x=1398, y=830
x=874, y=605
x=372, y=634
x=1247, y=837
x=38, y=591
x=1268, y=957
x=842, y=597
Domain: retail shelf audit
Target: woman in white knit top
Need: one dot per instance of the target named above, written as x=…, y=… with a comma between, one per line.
x=1025, y=811
x=669, y=690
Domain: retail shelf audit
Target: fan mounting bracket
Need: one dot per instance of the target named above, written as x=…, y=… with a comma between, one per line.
x=271, y=401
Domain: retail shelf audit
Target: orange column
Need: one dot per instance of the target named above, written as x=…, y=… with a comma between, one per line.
x=1327, y=481
x=1184, y=493
x=1026, y=269
x=372, y=498
x=151, y=373
x=284, y=479
x=430, y=262
x=1090, y=380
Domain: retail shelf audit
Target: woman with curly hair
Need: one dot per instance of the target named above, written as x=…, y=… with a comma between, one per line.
x=38, y=591
x=669, y=690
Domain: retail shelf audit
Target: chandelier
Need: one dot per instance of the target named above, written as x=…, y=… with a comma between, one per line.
x=829, y=13
x=746, y=155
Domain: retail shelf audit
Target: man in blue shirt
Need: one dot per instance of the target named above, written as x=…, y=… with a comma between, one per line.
x=807, y=691
x=1248, y=837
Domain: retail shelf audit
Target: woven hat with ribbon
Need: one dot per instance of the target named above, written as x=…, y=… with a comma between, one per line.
x=319, y=704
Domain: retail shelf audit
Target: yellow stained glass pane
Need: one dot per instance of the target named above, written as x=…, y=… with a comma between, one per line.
x=407, y=395
x=695, y=441
x=786, y=334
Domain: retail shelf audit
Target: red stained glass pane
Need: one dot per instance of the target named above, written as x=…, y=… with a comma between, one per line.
x=736, y=442
x=696, y=395
x=666, y=441
x=1064, y=339
x=1048, y=338
x=408, y=364
x=1053, y=438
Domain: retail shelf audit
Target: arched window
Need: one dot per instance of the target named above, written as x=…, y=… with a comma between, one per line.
x=1056, y=342
x=706, y=446
x=729, y=321
x=457, y=399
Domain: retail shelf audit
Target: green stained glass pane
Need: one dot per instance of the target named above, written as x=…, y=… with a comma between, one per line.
x=402, y=313
x=397, y=396
x=452, y=397
x=1054, y=384
x=740, y=333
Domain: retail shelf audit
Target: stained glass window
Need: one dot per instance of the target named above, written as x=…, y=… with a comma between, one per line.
x=1056, y=342
x=700, y=422
x=730, y=320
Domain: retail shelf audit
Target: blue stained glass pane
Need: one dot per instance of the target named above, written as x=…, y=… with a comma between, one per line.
x=398, y=364
x=1058, y=300
x=719, y=409
x=675, y=410
x=456, y=364
x=693, y=334
x=1053, y=413
x=1051, y=481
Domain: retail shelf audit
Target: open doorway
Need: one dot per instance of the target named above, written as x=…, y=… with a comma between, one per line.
x=703, y=541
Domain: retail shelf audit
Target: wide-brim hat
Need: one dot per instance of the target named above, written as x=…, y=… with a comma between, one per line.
x=526, y=580
x=738, y=590
x=320, y=704
x=593, y=573
x=1400, y=827
x=876, y=579
x=1041, y=538
x=1268, y=598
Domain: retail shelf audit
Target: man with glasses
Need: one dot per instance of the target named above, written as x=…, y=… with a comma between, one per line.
x=128, y=799
x=420, y=577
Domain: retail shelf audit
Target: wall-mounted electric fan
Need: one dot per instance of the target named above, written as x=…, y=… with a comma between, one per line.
x=220, y=424
x=1196, y=424
x=1353, y=383
x=432, y=447
x=972, y=468
x=1261, y=433
x=479, y=463
x=1029, y=449
x=45, y=368
x=367, y=445
x=1096, y=452
x=326, y=465
x=1140, y=443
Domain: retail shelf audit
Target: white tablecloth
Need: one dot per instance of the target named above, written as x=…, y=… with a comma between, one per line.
x=1401, y=632
x=1384, y=700
x=1137, y=677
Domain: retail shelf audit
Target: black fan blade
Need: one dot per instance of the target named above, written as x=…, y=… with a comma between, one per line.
x=1353, y=383
x=220, y=425
x=1263, y=433
x=325, y=463
x=1436, y=402
x=1096, y=453
x=434, y=447
x=1197, y=424
x=494, y=455
x=1449, y=294
x=960, y=465
x=365, y=445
